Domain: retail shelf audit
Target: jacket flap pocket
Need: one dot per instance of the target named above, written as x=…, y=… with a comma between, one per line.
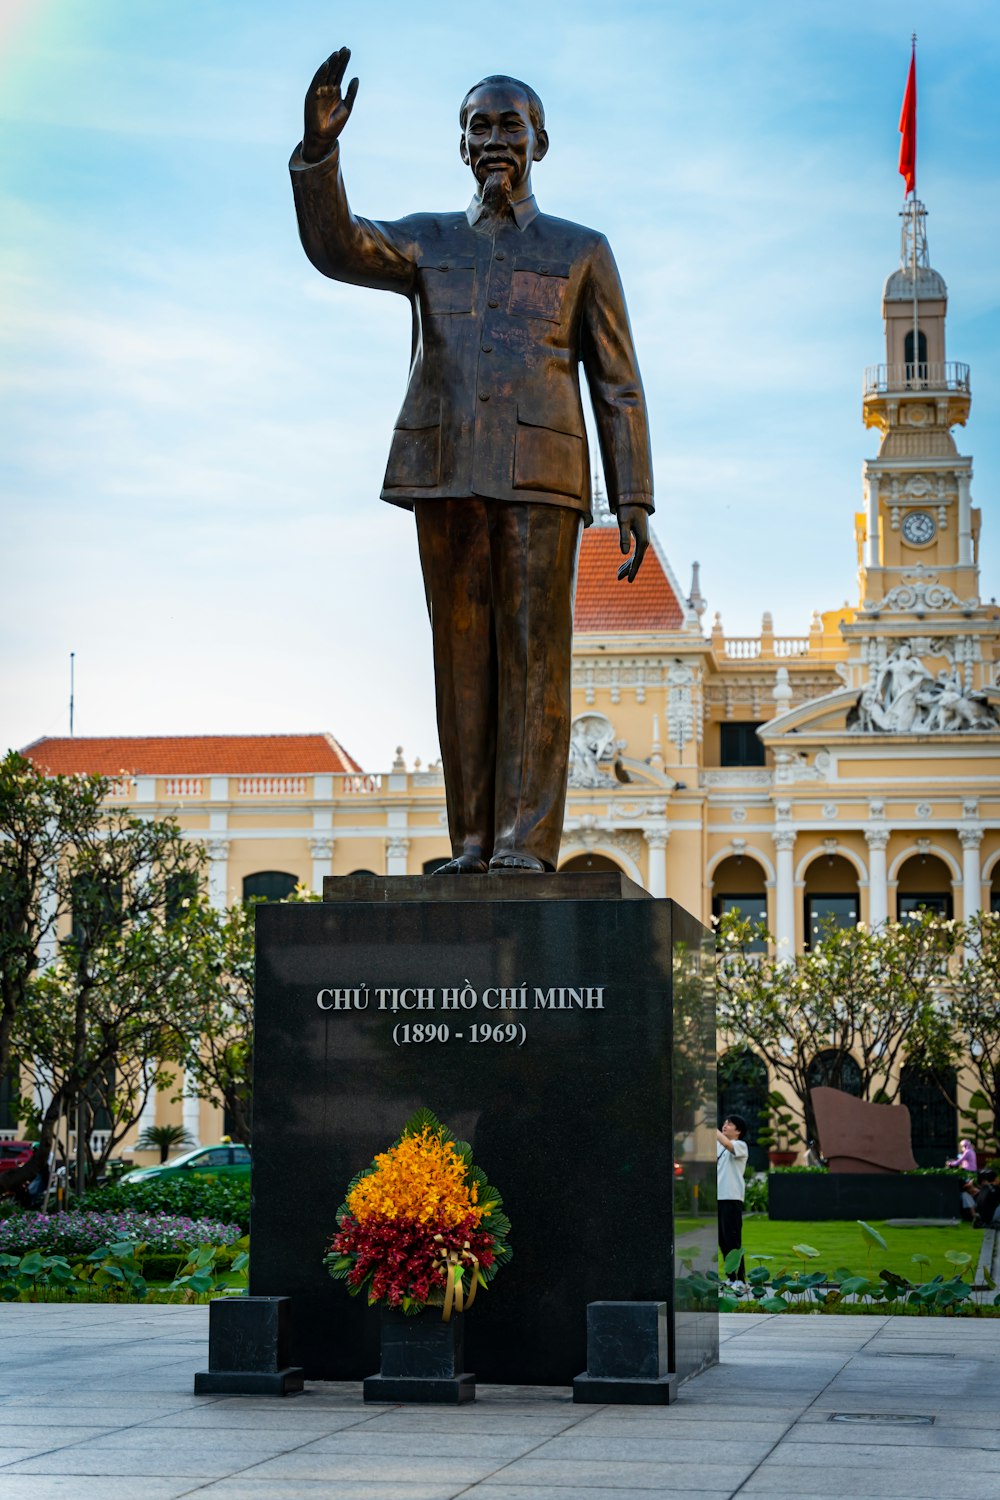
x=547, y=459
x=448, y=285
x=537, y=290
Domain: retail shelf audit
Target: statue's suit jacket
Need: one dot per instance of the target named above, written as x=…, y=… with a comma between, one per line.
x=501, y=324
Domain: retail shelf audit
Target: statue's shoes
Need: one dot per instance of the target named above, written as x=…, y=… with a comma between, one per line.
x=463, y=864
x=516, y=864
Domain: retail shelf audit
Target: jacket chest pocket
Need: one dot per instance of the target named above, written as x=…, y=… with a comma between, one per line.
x=538, y=291
x=448, y=286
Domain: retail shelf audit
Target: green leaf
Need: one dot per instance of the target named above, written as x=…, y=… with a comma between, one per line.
x=920, y=1260
x=421, y=1119
x=728, y=1304
x=957, y=1257
x=774, y=1304
x=201, y=1282
x=807, y=1252
x=855, y=1286
x=732, y=1261
x=872, y=1235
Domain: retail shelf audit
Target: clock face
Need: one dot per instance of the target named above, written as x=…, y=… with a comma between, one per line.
x=919, y=527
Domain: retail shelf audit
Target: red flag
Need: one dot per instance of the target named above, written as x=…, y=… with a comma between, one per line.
x=908, y=129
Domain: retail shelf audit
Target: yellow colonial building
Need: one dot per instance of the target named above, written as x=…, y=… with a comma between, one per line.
x=851, y=772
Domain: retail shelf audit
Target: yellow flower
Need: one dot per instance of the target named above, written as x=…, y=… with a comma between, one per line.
x=420, y=1178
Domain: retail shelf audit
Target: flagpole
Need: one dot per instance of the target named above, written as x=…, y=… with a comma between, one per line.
x=913, y=231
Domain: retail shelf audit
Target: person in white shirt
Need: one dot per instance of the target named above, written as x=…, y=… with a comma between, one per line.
x=730, y=1165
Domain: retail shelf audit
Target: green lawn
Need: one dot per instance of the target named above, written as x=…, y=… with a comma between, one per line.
x=840, y=1243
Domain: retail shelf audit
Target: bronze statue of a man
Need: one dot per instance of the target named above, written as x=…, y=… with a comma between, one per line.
x=490, y=450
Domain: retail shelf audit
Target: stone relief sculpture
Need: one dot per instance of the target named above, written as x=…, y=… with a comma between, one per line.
x=592, y=742
x=904, y=697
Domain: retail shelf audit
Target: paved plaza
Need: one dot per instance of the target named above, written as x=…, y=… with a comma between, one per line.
x=96, y=1404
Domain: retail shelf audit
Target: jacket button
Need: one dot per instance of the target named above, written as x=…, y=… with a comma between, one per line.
x=499, y=255
x=484, y=395
x=443, y=266
x=487, y=348
x=492, y=304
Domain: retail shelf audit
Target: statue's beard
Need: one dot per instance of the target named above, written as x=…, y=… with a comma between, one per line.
x=498, y=194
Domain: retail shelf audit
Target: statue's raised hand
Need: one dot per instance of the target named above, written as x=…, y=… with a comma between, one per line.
x=327, y=109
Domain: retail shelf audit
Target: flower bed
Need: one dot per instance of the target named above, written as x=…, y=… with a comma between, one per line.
x=81, y=1231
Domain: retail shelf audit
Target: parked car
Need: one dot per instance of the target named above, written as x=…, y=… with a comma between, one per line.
x=212, y=1163
x=14, y=1154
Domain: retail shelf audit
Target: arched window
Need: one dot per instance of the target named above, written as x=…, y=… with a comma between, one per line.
x=182, y=888
x=361, y=872
x=924, y=884
x=738, y=885
x=831, y=896
x=835, y=1070
x=97, y=908
x=9, y=1090
x=921, y=372
x=269, y=885
x=933, y=1121
x=591, y=862
x=430, y=865
x=743, y=1091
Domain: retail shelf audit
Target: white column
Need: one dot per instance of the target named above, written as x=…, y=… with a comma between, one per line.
x=970, y=837
x=877, y=840
x=871, y=545
x=784, y=903
x=396, y=856
x=218, y=872
x=321, y=847
x=48, y=946
x=191, y=1115
x=656, y=843
x=964, y=478
x=147, y=1116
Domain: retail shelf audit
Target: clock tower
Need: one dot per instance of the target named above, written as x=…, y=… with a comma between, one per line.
x=919, y=530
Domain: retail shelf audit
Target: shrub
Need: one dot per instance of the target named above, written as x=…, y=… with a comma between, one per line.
x=228, y=1201
x=80, y=1232
x=756, y=1195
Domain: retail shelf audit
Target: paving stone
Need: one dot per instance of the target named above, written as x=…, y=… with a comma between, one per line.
x=536, y=1473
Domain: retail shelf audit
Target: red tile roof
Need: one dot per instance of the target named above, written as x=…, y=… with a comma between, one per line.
x=194, y=755
x=604, y=603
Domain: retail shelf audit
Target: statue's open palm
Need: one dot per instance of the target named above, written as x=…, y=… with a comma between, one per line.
x=327, y=108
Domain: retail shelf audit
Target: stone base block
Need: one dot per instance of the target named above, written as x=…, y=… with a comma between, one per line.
x=455, y=1391
x=249, y=1382
x=248, y=1349
x=605, y=1390
x=627, y=1356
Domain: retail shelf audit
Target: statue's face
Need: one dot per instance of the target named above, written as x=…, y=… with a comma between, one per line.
x=499, y=135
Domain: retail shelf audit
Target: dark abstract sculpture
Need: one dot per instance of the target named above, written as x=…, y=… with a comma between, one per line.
x=855, y=1136
x=490, y=447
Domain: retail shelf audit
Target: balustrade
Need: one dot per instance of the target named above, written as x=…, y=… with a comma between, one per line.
x=272, y=786
x=936, y=376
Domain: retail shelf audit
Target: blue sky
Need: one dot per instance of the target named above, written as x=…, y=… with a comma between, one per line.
x=195, y=423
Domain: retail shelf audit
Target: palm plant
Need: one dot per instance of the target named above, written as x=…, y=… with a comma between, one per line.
x=162, y=1138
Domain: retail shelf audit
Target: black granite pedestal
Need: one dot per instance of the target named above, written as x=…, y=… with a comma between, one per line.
x=564, y=1025
x=628, y=1356
x=423, y=1359
x=248, y=1342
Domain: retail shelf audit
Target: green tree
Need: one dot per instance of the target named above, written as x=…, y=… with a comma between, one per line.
x=218, y=1061
x=975, y=1007
x=872, y=995
x=99, y=1028
x=42, y=819
x=972, y=1010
